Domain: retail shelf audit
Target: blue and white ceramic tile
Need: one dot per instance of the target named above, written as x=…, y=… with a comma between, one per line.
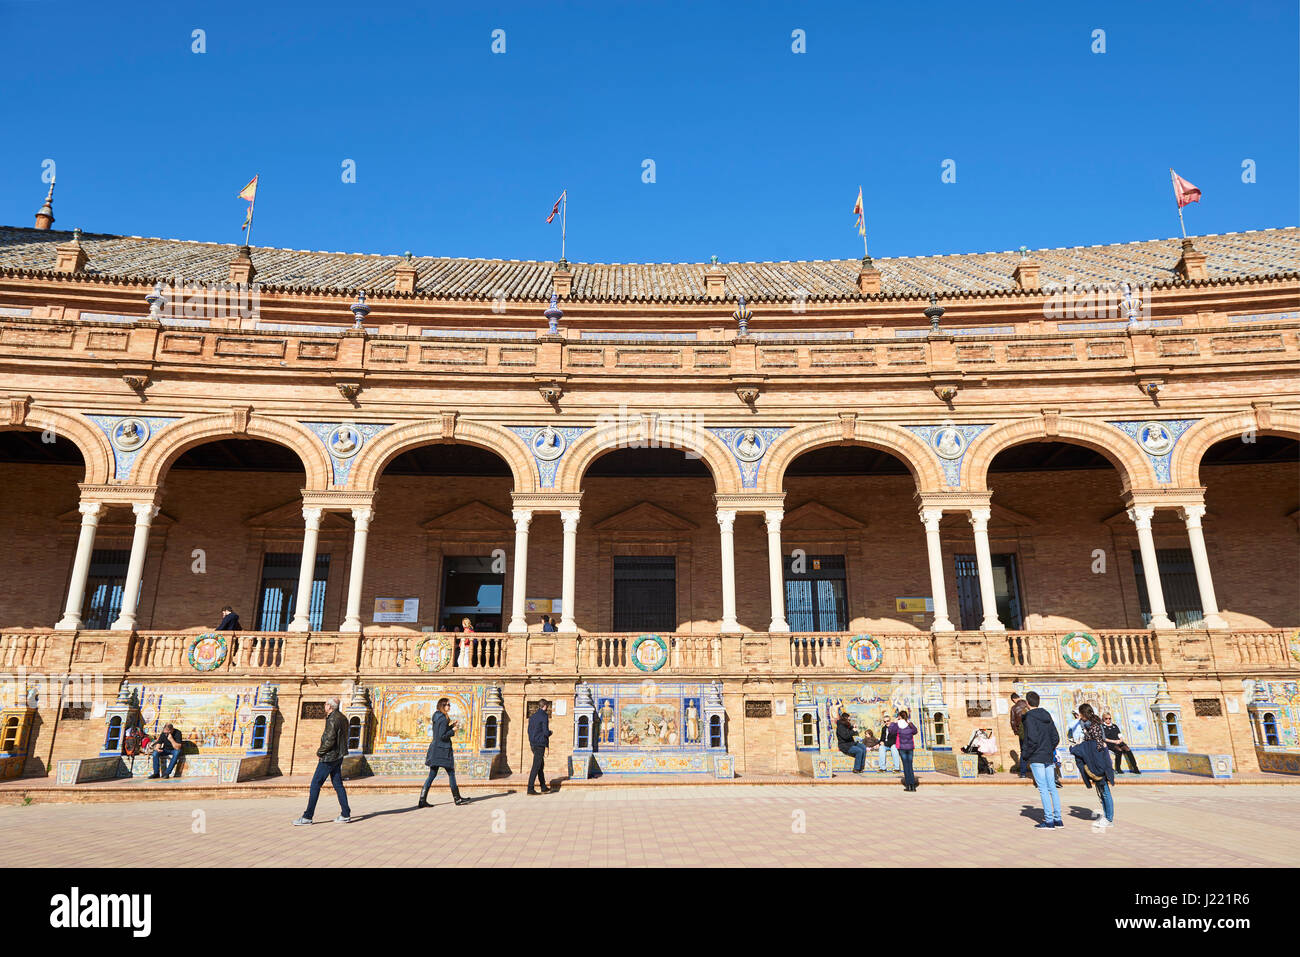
x=1153, y=434
x=749, y=447
x=361, y=433
x=112, y=424
x=948, y=444
x=548, y=445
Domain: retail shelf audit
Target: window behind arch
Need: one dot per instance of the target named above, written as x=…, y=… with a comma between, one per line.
x=113, y=740
x=490, y=733
x=807, y=733
x=1270, y=729
x=354, y=733
x=259, y=733
x=715, y=731
x=940, y=730
x=1171, y=729
x=10, y=740
x=584, y=732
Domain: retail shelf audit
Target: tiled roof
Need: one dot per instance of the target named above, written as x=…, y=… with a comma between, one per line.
x=1231, y=255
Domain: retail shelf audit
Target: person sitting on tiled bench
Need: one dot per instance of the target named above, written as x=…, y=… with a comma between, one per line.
x=166, y=751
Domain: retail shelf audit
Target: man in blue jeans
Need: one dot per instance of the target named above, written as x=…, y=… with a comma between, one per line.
x=166, y=752
x=845, y=736
x=1040, y=741
x=333, y=749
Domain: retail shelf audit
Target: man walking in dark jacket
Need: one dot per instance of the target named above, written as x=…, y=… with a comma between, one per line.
x=539, y=736
x=1019, y=707
x=333, y=749
x=1039, y=747
x=229, y=620
x=440, y=754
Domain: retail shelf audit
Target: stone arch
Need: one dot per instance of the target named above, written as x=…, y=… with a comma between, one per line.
x=388, y=444
x=176, y=439
x=90, y=441
x=606, y=437
x=1123, y=452
x=906, y=446
x=1197, y=440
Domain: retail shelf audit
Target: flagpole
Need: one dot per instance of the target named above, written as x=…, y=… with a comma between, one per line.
x=1181, y=224
x=249, y=232
x=863, y=214
x=564, y=215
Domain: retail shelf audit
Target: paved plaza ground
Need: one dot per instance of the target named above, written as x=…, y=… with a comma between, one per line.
x=788, y=825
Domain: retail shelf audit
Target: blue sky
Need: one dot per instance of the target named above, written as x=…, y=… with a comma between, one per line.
x=758, y=151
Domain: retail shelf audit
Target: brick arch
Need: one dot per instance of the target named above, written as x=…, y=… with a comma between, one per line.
x=1197, y=440
x=176, y=439
x=90, y=441
x=605, y=438
x=388, y=444
x=1123, y=452
x=904, y=445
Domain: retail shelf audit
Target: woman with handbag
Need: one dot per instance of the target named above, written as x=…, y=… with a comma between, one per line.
x=1095, y=768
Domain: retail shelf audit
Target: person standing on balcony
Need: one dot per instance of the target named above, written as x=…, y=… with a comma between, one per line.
x=1019, y=707
x=333, y=749
x=229, y=620
x=547, y=624
x=440, y=754
x=466, y=644
x=847, y=738
x=905, y=737
x=1118, y=746
x=1039, y=744
x=539, y=737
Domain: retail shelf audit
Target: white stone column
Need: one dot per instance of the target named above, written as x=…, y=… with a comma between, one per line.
x=71, y=619
x=144, y=515
x=934, y=550
x=1141, y=516
x=1192, y=515
x=361, y=518
x=775, y=569
x=726, y=522
x=568, y=589
x=979, y=520
x=307, y=571
x=518, y=601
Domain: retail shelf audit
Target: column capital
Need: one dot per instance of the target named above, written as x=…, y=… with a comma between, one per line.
x=523, y=517
x=726, y=519
x=312, y=515
x=773, y=517
x=931, y=516
x=90, y=511
x=570, y=518
x=1141, y=515
x=979, y=518
x=1192, y=515
x=145, y=512
x=362, y=517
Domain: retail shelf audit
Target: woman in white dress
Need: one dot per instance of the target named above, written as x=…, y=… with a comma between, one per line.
x=466, y=644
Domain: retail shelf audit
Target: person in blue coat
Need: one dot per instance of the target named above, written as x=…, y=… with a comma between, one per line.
x=440, y=754
x=539, y=737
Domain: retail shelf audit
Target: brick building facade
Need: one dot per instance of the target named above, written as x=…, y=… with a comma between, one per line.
x=1070, y=468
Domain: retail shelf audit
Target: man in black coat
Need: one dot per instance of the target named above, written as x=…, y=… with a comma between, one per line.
x=1040, y=739
x=440, y=754
x=229, y=620
x=333, y=749
x=539, y=736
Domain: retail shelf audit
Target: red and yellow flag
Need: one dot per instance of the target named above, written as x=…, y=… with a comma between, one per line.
x=249, y=192
x=857, y=211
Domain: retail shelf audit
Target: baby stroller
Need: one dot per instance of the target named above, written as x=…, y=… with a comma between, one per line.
x=973, y=747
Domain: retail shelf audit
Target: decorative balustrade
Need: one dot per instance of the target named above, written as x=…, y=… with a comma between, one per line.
x=1274, y=648
x=26, y=650
x=403, y=653
x=410, y=653
x=1115, y=650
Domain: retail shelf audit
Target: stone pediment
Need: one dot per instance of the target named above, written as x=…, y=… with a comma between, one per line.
x=814, y=516
x=289, y=517
x=1001, y=515
x=471, y=517
x=644, y=517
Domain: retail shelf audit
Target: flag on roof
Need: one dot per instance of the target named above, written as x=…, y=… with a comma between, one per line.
x=249, y=192
x=857, y=211
x=556, y=208
x=1184, y=191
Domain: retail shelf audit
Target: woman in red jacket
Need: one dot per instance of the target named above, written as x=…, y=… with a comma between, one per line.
x=904, y=740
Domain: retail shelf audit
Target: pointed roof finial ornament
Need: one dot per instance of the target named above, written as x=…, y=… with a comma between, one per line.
x=359, y=309
x=553, y=315
x=1024, y=252
x=934, y=312
x=742, y=315
x=45, y=215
